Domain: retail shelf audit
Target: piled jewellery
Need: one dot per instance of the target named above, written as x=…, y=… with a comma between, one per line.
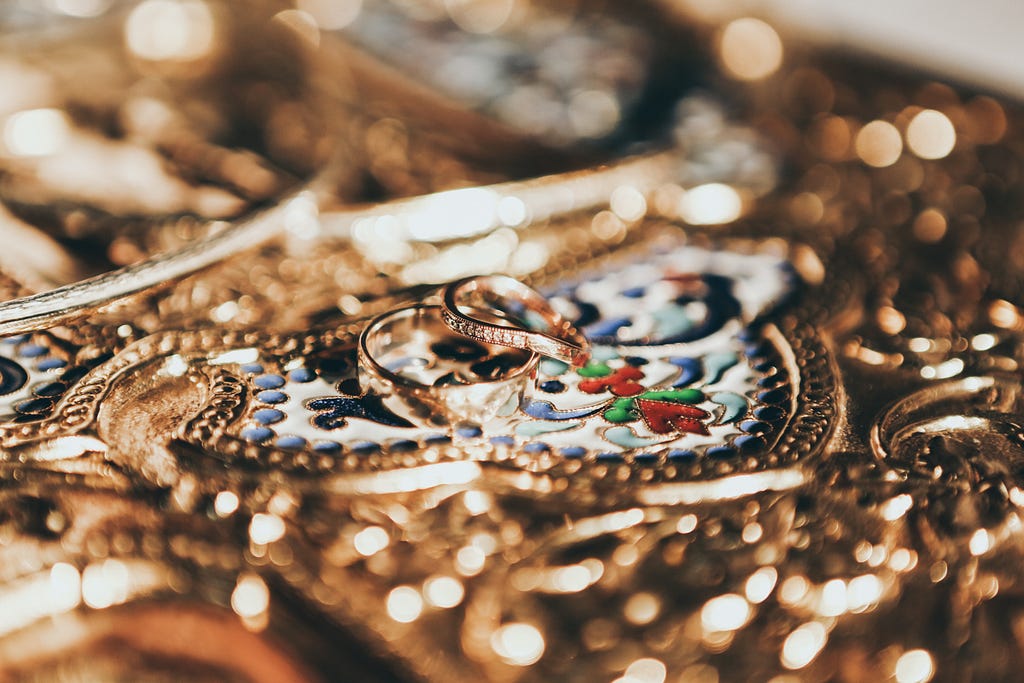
x=755, y=417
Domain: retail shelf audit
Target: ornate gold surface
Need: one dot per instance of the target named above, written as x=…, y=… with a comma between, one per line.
x=795, y=456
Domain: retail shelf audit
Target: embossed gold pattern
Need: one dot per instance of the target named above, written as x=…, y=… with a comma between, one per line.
x=795, y=453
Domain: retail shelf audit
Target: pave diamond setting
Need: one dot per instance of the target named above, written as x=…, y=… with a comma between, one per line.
x=490, y=334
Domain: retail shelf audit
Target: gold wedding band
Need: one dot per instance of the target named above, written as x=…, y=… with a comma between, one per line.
x=540, y=329
x=402, y=359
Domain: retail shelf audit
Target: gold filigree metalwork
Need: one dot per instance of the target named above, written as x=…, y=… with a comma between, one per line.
x=795, y=454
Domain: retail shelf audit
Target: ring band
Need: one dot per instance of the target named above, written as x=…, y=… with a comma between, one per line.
x=512, y=301
x=411, y=359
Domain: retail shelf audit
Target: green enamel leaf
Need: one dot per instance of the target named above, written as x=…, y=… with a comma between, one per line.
x=593, y=369
x=674, y=395
x=621, y=410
